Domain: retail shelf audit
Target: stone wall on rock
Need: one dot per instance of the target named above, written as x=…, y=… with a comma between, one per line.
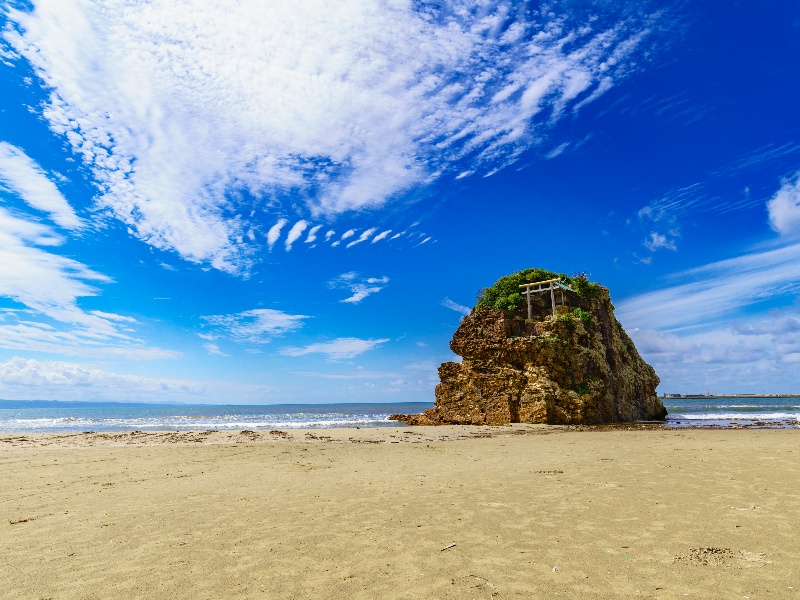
x=577, y=368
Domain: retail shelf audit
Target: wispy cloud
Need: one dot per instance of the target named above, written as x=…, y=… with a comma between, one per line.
x=358, y=286
x=716, y=291
x=459, y=308
x=30, y=379
x=214, y=349
x=557, y=151
x=37, y=334
x=675, y=202
x=755, y=354
x=363, y=237
x=112, y=316
x=41, y=280
x=312, y=234
x=698, y=197
x=50, y=285
x=22, y=176
x=22, y=378
x=706, y=331
x=255, y=326
x=338, y=349
x=381, y=236
x=769, y=155
x=159, y=104
x=275, y=232
x=658, y=240
x=294, y=234
x=297, y=230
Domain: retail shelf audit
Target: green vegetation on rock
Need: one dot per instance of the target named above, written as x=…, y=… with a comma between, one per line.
x=584, y=316
x=505, y=294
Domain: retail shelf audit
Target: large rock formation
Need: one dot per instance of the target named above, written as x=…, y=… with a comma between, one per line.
x=579, y=367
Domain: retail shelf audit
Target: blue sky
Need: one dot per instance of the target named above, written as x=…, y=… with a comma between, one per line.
x=253, y=202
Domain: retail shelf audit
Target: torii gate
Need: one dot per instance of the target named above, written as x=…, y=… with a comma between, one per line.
x=544, y=286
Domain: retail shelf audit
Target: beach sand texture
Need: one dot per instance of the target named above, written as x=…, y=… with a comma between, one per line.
x=514, y=512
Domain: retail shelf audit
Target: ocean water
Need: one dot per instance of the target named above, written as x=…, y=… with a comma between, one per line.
x=719, y=411
x=71, y=417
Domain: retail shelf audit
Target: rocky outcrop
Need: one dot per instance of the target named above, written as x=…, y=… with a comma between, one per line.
x=579, y=367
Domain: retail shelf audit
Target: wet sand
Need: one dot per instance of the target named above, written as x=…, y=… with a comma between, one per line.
x=477, y=512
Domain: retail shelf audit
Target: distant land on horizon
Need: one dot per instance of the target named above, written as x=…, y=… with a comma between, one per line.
x=691, y=396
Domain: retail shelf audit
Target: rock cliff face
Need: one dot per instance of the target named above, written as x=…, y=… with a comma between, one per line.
x=577, y=368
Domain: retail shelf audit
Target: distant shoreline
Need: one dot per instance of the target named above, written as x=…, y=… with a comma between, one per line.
x=702, y=396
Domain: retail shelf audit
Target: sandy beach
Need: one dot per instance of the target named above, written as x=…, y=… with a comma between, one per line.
x=448, y=512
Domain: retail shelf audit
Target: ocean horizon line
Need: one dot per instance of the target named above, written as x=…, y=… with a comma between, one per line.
x=11, y=404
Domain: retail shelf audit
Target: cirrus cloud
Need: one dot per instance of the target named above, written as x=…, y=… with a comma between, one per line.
x=25, y=178
x=255, y=326
x=338, y=349
x=22, y=378
x=341, y=106
x=48, y=284
x=359, y=287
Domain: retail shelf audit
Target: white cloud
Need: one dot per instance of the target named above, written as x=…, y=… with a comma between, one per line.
x=709, y=328
x=784, y=208
x=22, y=176
x=381, y=236
x=677, y=202
x=312, y=234
x=747, y=356
x=294, y=234
x=658, y=240
x=112, y=316
x=557, y=151
x=22, y=378
x=360, y=288
x=41, y=280
x=459, y=308
x=275, y=232
x=49, y=285
x=360, y=292
x=719, y=291
x=348, y=234
x=63, y=339
x=329, y=234
x=28, y=379
x=255, y=326
x=214, y=349
x=338, y=349
x=716, y=291
x=363, y=237
x=351, y=108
